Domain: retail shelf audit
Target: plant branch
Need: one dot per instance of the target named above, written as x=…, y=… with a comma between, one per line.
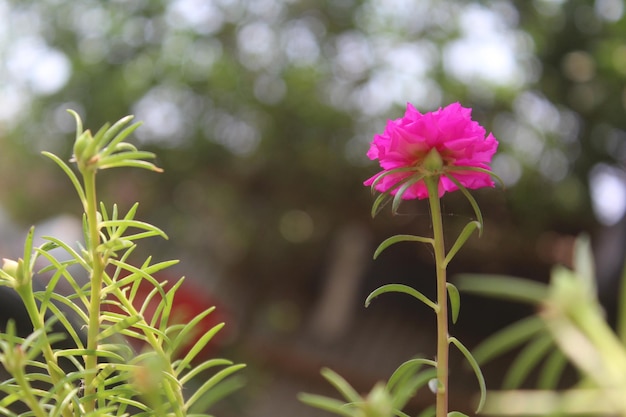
x=97, y=269
x=432, y=184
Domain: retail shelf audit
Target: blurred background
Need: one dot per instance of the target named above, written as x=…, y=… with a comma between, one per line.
x=261, y=112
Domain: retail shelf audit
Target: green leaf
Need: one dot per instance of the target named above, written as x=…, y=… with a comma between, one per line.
x=503, y=287
x=508, y=338
x=428, y=412
x=341, y=385
x=210, y=383
x=111, y=142
x=218, y=392
x=584, y=264
x=197, y=370
x=456, y=414
x=99, y=137
x=119, y=326
x=405, y=370
x=406, y=184
x=61, y=269
x=400, y=288
x=75, y=255
x=165, y=308
x=472, y=201
x=400, y=238
x=197, y=348
x=475, y=367
x=526, y=361
x=124, y=146
x=390, y=172
x=385, y=197
x=331, y=405
x=125, y=156
x=460, y=241
x=144, y=272
x=28, y=249
x=188, y=330
x=132, y=164
x=70, y=174
x=478, y=169
x=61, y=316
x=124, y=224
x=80, y=352
x=380, y=202
x=455, y=301
x=79, y=123
x=552, y=370
x=405, y=390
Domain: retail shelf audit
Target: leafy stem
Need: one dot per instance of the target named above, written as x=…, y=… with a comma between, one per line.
x=97, y=269
x=23, y=284
x=438, y=243
x=56, y=374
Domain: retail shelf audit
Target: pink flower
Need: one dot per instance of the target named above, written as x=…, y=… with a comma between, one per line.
x=460, y=142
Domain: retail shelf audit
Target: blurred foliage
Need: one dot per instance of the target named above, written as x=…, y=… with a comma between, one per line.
x=569, y=326
x=261, y=111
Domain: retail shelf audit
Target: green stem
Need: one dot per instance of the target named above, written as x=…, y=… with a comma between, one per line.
x=175, y=390
x=96, y=280
x=56, y=374
x=432, y=184
x=27, y=391
x=97, y=261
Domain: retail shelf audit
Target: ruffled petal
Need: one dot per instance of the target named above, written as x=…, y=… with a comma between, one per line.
x=450, y=130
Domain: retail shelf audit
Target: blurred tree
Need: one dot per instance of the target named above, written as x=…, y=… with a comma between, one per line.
x=261, y=113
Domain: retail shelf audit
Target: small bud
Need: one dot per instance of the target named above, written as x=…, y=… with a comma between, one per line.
x=15, y=269
x=378, y=402
x=11, y=267
x=84, y=150
x=14, y=359
x=433, y=162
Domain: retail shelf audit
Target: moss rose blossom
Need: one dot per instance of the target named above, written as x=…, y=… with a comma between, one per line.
x=445, y=142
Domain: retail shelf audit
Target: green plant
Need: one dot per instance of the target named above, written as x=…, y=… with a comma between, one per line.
x=100, y=375
x=569, y=326
x=423, y=156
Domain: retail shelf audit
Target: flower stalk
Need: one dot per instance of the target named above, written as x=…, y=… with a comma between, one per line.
x=423, y=156
x=442, y=297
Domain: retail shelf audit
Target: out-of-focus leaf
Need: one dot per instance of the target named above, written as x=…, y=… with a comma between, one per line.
x=584, y=265
x=508, y=338
x=325, y=403
x=527, y=360
x=621, y=308
x=406, y=370
x=341, y=385
x=552, y=370
x=545, y=403
x=503, y=287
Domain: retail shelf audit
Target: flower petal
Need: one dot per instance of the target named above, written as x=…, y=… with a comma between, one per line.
x=461, y=142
